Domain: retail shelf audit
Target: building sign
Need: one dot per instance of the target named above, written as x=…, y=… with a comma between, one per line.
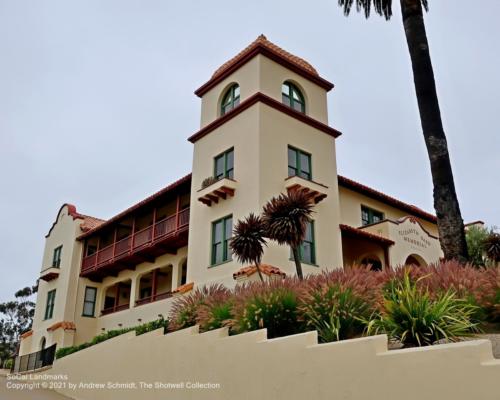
x=415, y=237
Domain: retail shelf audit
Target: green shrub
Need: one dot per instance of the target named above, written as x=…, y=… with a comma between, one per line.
x=410, y=315
x=139, y=330
x=475, y=237
x=335, y=312
x=152, y=326
x=215, y=313
x=271, y=305
x=8, y=363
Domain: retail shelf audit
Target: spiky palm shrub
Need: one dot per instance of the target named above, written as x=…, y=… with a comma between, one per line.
x=492, y=247
x=248, y=241
x=413, y=317
x=184, y=311
x=271, y=305
x=285, y=219
x=335, y=312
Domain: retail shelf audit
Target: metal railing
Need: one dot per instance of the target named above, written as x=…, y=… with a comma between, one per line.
x=138, y=240
x=32, y=361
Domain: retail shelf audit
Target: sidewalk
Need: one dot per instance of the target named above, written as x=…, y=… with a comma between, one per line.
x=13, y=394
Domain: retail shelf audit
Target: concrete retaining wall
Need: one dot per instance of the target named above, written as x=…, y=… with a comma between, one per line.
x=249, y=366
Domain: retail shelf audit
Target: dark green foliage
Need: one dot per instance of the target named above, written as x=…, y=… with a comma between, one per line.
x=492, y=247
x=410, y=315
x=335, y=312
x=248, y=241
x=16, y=317
x=476, y=237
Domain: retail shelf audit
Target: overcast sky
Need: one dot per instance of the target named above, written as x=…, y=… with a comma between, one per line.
x=96, y=101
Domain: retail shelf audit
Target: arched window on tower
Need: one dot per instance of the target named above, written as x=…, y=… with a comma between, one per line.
x=230, y=99
x=293, y=97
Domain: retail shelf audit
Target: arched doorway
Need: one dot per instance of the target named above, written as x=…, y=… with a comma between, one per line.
x=43, y=343
x=415, y=260
x=373, y=262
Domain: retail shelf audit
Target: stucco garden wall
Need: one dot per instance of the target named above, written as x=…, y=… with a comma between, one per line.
x=249, y=366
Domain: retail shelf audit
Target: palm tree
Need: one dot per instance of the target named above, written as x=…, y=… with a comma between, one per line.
x=449, y=218
x=248, y=241
x=285, y=219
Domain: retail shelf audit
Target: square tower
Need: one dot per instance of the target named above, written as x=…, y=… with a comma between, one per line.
x=263, y=132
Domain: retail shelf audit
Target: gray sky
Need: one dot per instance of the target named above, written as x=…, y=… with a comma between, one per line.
x=96, y=101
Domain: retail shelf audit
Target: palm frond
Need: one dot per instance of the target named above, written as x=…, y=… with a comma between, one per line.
x=381, y=7
x=285, y=217
x=248, y=239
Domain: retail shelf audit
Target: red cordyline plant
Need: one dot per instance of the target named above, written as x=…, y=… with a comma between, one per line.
x=248, y=241
x=184, y=311
x=285, y=219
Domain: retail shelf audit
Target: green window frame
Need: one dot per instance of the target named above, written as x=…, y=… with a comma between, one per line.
x=370, y=216
x=222, y=231
x=56, y=257
x=231, y=99
x=307, y=250
x=49, y=308
x=224, y=165
x=292, y=97
x=89, y=300
x=299, y=163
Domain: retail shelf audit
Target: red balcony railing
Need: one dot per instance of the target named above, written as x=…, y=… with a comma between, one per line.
x=114, y=309
x=133, y=244
x=156, y=297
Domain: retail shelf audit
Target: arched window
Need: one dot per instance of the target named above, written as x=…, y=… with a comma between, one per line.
x=43, y=343
x=373, y=262
x=231, y=99
x=292, y=97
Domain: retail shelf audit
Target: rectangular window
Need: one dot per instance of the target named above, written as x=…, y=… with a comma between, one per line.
x=51, y=299
x=299, y=163
x=307, y=249
x=221, y=234
x=56, y=258
x=89, y=301
x=224, y=165
x=370, y=216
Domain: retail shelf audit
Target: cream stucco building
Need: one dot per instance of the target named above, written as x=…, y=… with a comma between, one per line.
x=264, y=131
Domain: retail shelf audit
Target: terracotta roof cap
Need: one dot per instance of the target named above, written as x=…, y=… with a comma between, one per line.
x=66, y=325
x=184, y=288
x=90, y=223
x=26, y=334
x=266, y=269
x=262, y=41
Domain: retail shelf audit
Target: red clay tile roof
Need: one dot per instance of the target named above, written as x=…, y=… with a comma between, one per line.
x=76, y=215
x=266, y=269
x=90, y=222
x=263, y=46
x=184, y=288
x=350, y=230
x=384, y=198
x=262, y=41
x=26, y=334
x=66, y=325
x=143, y=202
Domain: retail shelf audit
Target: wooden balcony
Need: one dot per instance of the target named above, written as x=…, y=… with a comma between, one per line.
x=49, y=274
x=217, y=191
x=152, y=298
x=165, y=236
x=316, y=191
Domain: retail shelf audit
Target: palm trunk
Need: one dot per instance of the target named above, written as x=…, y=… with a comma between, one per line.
x=449, y=218
x=298, y=265
x=257, y=265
